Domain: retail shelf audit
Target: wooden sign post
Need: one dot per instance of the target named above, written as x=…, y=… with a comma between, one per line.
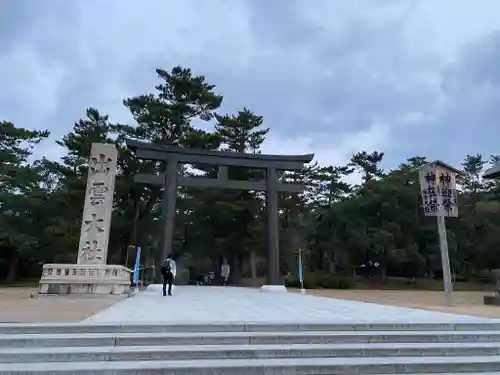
x=439, y=199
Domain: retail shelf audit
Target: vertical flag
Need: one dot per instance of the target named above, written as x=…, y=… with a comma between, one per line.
x=301, y=279
x=136, y=267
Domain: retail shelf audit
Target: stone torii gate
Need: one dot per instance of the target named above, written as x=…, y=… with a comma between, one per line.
x=174, y=155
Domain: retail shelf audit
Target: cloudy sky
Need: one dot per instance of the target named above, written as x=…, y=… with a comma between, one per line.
x=330, y=76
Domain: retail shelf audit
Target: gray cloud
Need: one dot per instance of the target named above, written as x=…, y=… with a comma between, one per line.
x=330, y=78
x=339, y=71
x=467, y=117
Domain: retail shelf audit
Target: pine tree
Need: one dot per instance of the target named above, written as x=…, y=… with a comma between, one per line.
x=241, y=133
x=19, y=234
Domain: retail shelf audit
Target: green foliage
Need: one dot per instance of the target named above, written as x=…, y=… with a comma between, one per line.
x=21, y=196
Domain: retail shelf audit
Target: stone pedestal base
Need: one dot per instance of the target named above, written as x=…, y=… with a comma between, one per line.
x=273, y=288
x=84, y=279
x=492, y=300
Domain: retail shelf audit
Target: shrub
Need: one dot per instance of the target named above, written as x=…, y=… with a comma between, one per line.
x=484, y=279
x=320, y=280
x=460, y=279
x=182, y=277
x=293, y=282
x=329, y=281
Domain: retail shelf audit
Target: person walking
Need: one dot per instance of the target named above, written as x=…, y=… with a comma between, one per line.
x=168, y=272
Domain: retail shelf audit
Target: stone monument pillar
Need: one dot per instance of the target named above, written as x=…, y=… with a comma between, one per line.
x=96, y=221
x=91, y=274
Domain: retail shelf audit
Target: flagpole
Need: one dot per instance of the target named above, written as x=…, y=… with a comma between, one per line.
x=136, y=270
x=301, y=276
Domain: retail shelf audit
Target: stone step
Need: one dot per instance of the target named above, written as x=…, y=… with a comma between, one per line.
x=77, y=328
x=244, y=338
x=165, y=353
x=296, y=366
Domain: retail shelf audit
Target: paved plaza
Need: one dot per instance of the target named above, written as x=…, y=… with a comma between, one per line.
x=243, y=331
x=203, y=304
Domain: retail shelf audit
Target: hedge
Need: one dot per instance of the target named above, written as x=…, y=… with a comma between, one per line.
x=320, y=281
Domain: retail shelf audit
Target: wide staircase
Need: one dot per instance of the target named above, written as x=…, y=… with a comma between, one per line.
x=250, y=349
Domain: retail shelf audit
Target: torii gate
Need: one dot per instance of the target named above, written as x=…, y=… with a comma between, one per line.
x=175, y=155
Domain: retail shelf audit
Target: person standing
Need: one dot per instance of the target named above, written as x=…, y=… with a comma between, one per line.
x=168, y=272
x=225, y=270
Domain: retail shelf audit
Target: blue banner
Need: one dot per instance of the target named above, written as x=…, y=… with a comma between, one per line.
x=300, y=266
x=136, y=267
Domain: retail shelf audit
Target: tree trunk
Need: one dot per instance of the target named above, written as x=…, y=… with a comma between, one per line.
x=157, y=259
x=333, y=266
x=236, y=269
x=135, y=225
x=383, y=265
x=383, y=272
x=253, y=268
x=12, y=275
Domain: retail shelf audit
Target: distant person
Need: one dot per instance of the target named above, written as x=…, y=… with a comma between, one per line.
x=168, y=272
x=225, y=270
x=369, y=269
